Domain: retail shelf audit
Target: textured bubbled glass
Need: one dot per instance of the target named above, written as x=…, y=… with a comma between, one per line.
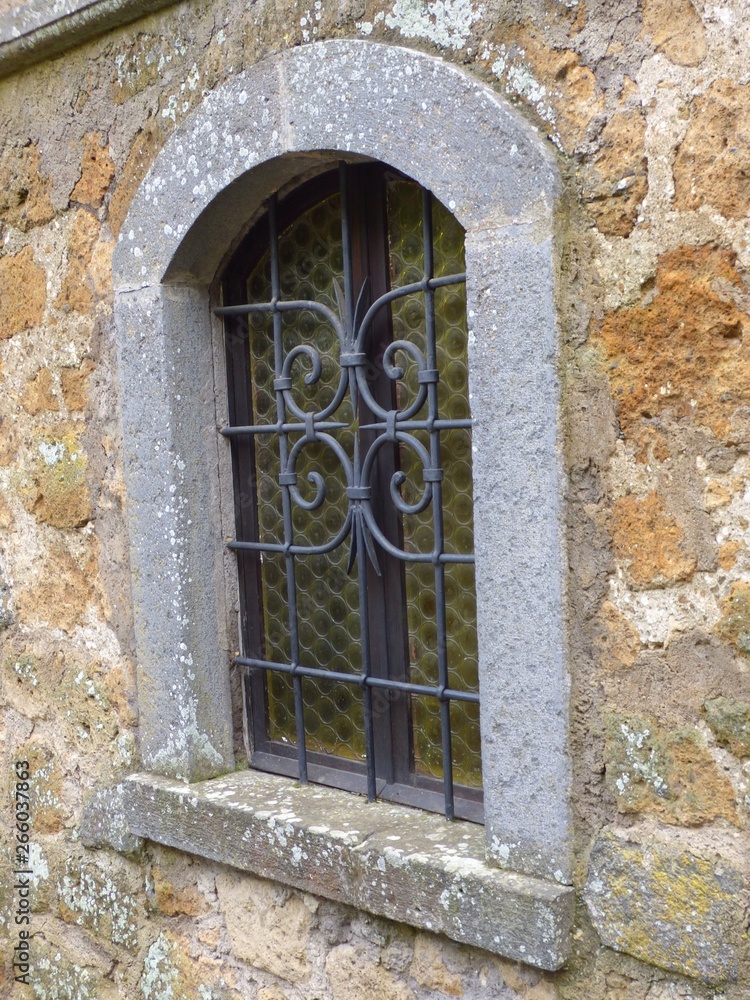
x=407, y=265
x=327, y=597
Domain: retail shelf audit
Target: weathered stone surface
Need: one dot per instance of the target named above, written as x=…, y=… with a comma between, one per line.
x=712, y=165
x=717, y=496
x=429, y=969
x=730, y=721
x=103, y=894
x=665, y=906
x=23, y=293
x=176, y=542
x=269, y=926
x=119, y=684
x=615, y=180
x=62, y=594
x=678, y=351
x=6, y=607
x=352, y=975
x=76, y=292
x=103, y=824
x=675, y=28
x=48, y=809
x=519, y=182
x=145, y=147
x=396, y=862
x=666, y=774
x=97, y=172
x=650, y=543
x=74, y=383
x=734, y=624
x=39, y=395
x=60, y=970
x=9, y=441
x=24, y=189
x=171, y=971
x=99, y=270
x=36, y=31
x=7, y=520
x=617, y=642
x=57, y=684
x=676, y=681
x=728, y=553
x=175, y=891
x=57, y=492
x=25, y=686
x=562, y=90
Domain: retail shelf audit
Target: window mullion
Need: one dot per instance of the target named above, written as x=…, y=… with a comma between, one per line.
x=387, y=601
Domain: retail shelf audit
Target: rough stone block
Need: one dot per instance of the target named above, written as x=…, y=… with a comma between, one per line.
x=730, y=721
x=666, y=906
x=103, y=823
x=269, y=927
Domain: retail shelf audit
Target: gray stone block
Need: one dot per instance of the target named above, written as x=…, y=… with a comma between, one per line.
x=104, y=824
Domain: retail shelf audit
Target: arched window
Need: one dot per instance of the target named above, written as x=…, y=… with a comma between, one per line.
x=347, y=360
x=293, y=116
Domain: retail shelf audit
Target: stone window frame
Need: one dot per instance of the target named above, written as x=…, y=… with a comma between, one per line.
x=505, y=888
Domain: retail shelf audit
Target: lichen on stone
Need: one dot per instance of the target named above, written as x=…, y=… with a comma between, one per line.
x=447, y=23
x=734, y=624
x=729, y=720
x=56, y=492
x=100, y=900
x=665, y=773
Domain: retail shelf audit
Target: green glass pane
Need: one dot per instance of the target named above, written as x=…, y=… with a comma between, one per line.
x=407, y=265
x=327, y=600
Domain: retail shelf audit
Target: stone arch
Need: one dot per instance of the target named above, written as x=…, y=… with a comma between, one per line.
x=283, y=118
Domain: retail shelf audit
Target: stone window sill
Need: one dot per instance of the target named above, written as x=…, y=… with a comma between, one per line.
x=389, y=860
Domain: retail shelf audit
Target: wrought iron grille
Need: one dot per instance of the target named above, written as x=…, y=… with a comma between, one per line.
x=334, y=416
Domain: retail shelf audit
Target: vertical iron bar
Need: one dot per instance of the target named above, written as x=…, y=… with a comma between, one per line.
x=365, y=638
x=291, y=583
x=358, y=526
x=346, y=245
x=437, y=511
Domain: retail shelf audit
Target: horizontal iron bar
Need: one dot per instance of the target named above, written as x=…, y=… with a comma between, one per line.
x=448, y=694
x=421, y=425
x=286, y=305
x=275, y=305
x=314, y=550
x=330, y=425
x=401, y=425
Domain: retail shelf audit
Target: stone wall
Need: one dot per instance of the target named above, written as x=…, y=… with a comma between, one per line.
x=648, y=107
